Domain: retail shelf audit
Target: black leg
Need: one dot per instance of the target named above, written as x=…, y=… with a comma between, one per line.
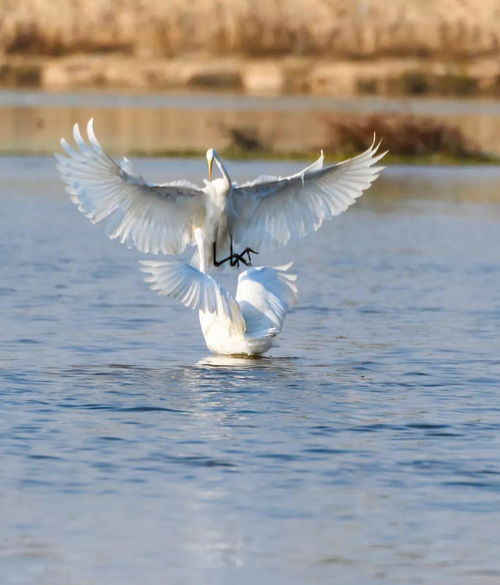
x=233, y=259
x=221, y=262
x=239, y=258
x=246, y=251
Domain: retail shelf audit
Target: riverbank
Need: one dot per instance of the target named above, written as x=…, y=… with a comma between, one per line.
x=187, y=123
x=236, y=154
x=334, y=47
x=272, y=76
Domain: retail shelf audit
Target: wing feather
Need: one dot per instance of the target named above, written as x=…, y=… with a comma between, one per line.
x=155, y=218
x=270, y=212
x=192, y=288
x=265, y=294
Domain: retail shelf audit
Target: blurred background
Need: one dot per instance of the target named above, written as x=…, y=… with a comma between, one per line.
x=364, y=449
x=284, y=77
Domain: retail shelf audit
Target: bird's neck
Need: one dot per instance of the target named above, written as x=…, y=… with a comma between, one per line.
x=225, y=181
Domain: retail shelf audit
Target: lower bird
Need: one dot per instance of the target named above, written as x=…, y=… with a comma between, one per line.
x=246, y=324
x=227, y=222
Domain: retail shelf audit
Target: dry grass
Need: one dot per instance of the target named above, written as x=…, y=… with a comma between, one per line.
x=407, y=137
x=246, y=139
x=404, y=135
x=360, y=29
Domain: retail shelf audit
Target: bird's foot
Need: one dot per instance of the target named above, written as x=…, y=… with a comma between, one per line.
x=237, y=258
x=248, y=251
x=233, y=259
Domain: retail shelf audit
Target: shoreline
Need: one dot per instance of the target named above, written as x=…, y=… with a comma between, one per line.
x=234, y=154
x=388, y=77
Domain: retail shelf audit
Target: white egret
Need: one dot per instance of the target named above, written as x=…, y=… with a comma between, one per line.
x=164, y=218
x=246, y=324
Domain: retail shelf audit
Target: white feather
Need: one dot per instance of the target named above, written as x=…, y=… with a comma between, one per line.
x=246, y=324
x=265, y=295
x=188, y=285
x=164, y=218
x=270, y=213
x=156, y=218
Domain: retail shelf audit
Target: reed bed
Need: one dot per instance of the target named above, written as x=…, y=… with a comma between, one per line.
x=403, y=134
x=167, y=28
x=407, y=137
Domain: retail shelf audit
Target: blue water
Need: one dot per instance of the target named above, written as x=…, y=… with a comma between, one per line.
x=364, y=450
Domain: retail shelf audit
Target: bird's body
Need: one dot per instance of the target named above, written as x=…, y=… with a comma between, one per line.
x=223, y=220
x=246, y=324
x=218, y=216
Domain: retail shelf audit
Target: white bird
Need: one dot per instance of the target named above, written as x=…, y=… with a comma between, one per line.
x=246, y=324
x=164, y=218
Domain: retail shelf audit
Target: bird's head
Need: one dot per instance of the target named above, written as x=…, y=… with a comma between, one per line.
x=210, y=161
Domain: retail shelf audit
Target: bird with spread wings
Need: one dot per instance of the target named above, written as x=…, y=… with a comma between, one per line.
x=164, y=218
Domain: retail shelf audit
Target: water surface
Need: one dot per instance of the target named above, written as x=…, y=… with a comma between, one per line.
x=34, y=121
x=364, y=449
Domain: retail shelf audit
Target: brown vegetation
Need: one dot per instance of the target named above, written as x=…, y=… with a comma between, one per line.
x=333, y=47
x=446, y=29
x=403, y=134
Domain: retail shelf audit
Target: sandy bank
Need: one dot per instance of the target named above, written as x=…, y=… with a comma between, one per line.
x=383, y=76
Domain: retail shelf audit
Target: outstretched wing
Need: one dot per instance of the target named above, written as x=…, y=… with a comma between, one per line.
x=153, y=218
x=265, y=294
x=192, y=288
x=270, y=212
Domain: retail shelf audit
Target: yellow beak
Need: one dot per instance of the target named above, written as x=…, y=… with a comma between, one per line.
x=210, y=163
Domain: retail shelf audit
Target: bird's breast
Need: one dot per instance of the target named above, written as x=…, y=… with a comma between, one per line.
x=217, y=205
